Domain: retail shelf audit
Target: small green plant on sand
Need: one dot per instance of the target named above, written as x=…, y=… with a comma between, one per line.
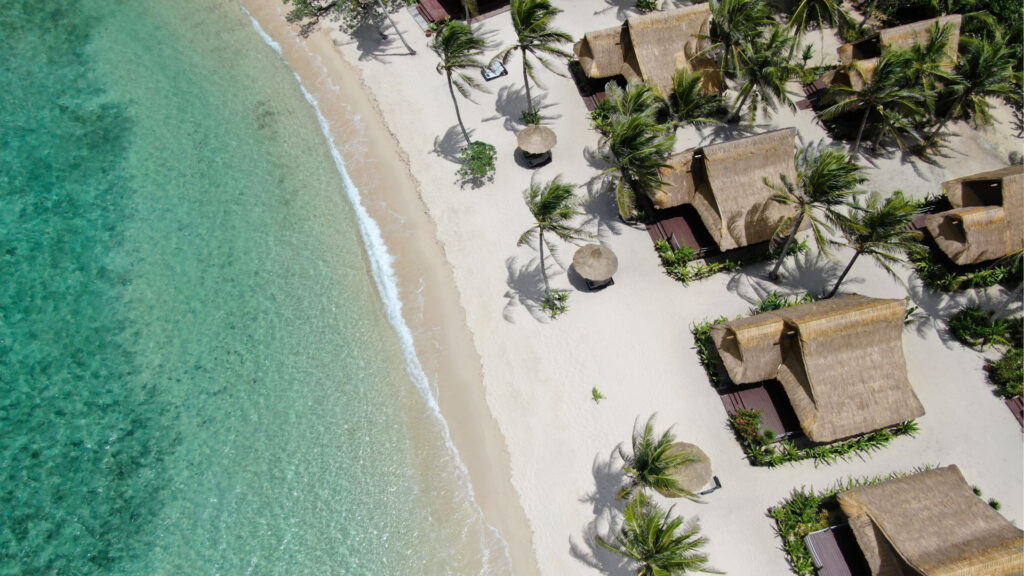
x=645, y=6
x=976, y=328
x=596, y=395
x=477, y=163
x=529, y=117
x=1007, y=373
x=556, y=303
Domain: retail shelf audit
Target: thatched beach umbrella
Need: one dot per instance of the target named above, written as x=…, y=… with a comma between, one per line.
x=595, y=262
x=692, y=476
x=536, y=139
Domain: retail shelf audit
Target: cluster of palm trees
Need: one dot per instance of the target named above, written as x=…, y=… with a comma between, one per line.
x=459, y=50
x=827, y=182
x=655, y=540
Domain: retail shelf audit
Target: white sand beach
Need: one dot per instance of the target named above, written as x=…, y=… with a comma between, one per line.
x=516, y=387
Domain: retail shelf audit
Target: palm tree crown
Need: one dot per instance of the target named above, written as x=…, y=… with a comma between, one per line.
x=826, y=179
x=535, y=37
x=886, y=96
x=652, y=461
x=881, y=229
x=661, y=544
x=553, y=206
x=820, y=12
x=688, y=103
x=985, y=70
x=459, y=49
x=735, y=24
x=765, y=70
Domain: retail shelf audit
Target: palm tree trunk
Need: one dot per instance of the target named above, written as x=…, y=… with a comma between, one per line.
x=543, y=269
x=458, y=114
x=526, y=82
x=736, y=113
x=774, y=274
x=843, y=275
x=395, y=28
x=946, y=118
x=860, y=132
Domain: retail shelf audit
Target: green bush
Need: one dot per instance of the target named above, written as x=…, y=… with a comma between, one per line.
x=556, y=303
x=776, y=301
x=938, y=275
x=976, y=328
x=1007, y=373
x=644, y=6
x=477, y=163
x=527, y=117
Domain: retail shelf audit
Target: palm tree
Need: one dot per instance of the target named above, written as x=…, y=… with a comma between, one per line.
x=652, y=461
x=821, y=12
x=985, y=70
x=887, y=91
x=459, y=49
x=660, y=544
x=881, y=229
x=766, y=69
x=735, y=24
x=688, y=103
x=553, y=206
x=535, y=37
x=826, y=179
x=929, y=60
x=636, y=98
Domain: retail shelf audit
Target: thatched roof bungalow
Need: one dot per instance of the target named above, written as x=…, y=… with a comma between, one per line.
x=932, y=524
x=987, y=219
x=858, y=59
x=840, y=362
x=725, y=184
x=652, y=47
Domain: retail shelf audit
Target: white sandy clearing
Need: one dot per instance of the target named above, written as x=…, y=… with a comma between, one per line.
x=632, y=339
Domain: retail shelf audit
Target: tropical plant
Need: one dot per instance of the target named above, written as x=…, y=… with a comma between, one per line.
x=974, y=327
x=884, y=94
x=765, y=69
x=644, y=6
x=929, y=59
x=881, y=230
x=985, y=70
x=553, y=206
x=662, y=545
x=826, y=179
x=688, y=103
x=652, y=461
x=459, y=49
x=477, y=163
x=735, y=24
x=536, y=38
x=352, y=15
x=822, y=13
x=1007, y=373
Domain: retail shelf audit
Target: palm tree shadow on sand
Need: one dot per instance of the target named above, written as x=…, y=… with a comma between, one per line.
x=450, y=144
x=511, y=103
x=599, y=208
x=936, y=308
x=525, y=290
x=608, y=480
x=373, y=46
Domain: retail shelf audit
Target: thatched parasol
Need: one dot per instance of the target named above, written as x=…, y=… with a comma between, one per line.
x=692, y=476
x=536, y=139
x=595, y=262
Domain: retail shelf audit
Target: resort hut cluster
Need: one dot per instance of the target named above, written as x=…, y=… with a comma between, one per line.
x=987, y=218
x=840, y=362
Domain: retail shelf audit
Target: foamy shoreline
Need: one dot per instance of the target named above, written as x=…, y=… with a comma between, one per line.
x=554, y=487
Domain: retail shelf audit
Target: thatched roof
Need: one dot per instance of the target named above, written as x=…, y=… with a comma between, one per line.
x=606, y=53
x=652, y=47
x=595, y=262
x=536, y=139
x=840, y=362
x=933, y=522
x=679, y=184
x=743, y=211
x=987, y=221
x=666, y=41
x=692, y=476
x=859, y=58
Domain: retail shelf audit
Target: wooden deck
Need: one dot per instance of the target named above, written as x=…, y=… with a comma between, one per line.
x=768, y=397
x=836, y=553
x=1016, y=405
x=681, y=226
x=431, y=10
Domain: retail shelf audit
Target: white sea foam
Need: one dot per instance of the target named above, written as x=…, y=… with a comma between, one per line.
x=387, y=285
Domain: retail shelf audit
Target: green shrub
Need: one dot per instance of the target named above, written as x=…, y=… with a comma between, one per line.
x=477, y=163
x=776, y=301
x=644, y=6
x=527, y=117
x=601, y=116
x=702, y=341
x=976, y=328
x=1007, y=373
x=556, y=303
x=938, y=275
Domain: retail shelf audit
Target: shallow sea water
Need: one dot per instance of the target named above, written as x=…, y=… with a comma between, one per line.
x=197, y=372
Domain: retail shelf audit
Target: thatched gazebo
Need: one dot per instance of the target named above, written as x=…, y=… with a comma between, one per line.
x=987, y=219
x=840, y=362
x=931, y=523
x=536, y=142
x=692, y=476
x=596, y=264
x=725, y=184
x=863, y=54
x=652, y=48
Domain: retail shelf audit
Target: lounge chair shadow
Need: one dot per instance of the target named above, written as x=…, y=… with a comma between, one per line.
x=525, y=290
x=449, y=145
x=608, y=481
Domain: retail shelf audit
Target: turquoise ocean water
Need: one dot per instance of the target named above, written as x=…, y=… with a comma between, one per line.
x=198, y=374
